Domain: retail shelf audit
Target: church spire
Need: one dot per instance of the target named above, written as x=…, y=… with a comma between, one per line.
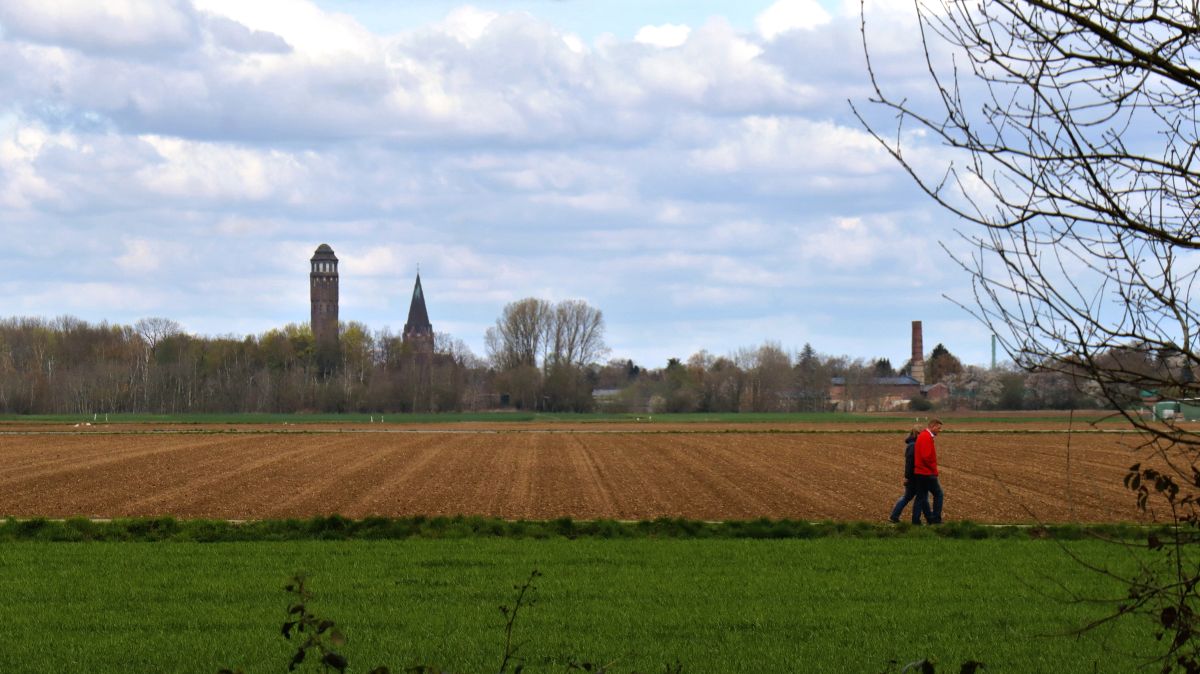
x=418, y=330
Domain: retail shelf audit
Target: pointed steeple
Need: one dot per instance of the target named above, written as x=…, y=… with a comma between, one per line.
x=418, y=328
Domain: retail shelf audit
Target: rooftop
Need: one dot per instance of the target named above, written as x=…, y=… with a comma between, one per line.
x=324, y=252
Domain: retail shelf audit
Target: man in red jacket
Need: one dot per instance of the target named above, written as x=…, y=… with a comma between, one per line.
x=925, y=471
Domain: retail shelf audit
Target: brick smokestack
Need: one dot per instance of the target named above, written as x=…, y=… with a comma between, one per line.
x=918, y=353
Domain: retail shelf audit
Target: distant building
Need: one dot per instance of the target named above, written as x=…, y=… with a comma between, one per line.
x=936, y=393
x=1177, y=410
x=323, y=292
x=417, y=331
x=878, y=394
x=889, y=393
x=606, y=399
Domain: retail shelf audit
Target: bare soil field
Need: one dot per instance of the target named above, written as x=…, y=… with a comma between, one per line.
x=997, y=473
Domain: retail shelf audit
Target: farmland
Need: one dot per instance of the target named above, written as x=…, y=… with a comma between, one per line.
x=994, y=470
x=848, y=600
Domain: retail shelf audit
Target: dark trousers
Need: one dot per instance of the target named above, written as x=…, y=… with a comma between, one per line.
x=927, y=485
x=921, y=506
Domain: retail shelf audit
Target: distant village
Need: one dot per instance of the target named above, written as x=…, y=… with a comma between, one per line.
x=883, y=389
x=888, y=391
x=542, y=356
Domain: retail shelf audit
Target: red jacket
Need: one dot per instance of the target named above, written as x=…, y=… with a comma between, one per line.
x=925, y=454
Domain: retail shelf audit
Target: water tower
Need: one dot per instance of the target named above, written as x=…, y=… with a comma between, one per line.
x=323, y=291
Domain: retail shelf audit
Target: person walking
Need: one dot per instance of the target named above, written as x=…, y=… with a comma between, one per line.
x=925, y=471
x=910, y=484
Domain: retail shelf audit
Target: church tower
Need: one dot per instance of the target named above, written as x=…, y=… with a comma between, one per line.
x=323, y=291
x=417, y=331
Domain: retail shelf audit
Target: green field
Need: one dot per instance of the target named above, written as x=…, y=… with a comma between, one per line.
x=830, y=604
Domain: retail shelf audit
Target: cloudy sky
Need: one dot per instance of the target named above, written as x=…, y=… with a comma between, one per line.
x=690, y=167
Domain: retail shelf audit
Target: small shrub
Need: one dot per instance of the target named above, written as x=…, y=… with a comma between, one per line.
x=32, y=528
x=919, y=404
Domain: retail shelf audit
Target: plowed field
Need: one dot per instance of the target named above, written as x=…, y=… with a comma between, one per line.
x=526, y=472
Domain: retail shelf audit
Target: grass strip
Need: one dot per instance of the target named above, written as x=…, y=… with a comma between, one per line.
x=335, y=527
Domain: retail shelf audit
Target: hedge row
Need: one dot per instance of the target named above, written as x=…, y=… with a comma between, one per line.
x=336, y=527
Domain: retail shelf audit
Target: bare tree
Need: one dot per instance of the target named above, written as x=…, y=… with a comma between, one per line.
x=770, y=378
x=576, y=334
x=1072, y=133
x=564, y=340
x=519, y=336
x=154, y=329
x=975, y=388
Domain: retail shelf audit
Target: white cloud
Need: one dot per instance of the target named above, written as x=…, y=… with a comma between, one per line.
x=140, y=256
x=375, y=261
x=787, y=144
x=893, y=10
x=787, y=15
x=690, y=295
x=92, y=300
x=232, y=35
x=245, y=226
x=102, y=25
x=206, y=171
x=467, y=24
x=666, y=35
x=717, y=69
x=286, y=70
x=589, y=201
x=22, y=185
x=847, y=245
x=574, y=43
x=316, y=35
x=742, y=234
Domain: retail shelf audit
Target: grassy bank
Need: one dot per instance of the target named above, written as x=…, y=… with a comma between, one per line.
x=832, y=604
x=168, y=529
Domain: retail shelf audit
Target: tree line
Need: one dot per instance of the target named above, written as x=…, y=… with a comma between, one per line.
x=769, y=378
x=68, y=366
x=540, y=356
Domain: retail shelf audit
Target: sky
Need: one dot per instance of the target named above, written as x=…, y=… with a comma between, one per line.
x=691, y=168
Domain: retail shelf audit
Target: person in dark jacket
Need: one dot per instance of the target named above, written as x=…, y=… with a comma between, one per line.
x=910, y=485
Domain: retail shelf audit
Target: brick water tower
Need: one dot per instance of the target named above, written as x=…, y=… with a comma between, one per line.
x=323, y=291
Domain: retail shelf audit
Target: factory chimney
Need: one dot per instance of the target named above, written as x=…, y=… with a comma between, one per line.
x=918, y=353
